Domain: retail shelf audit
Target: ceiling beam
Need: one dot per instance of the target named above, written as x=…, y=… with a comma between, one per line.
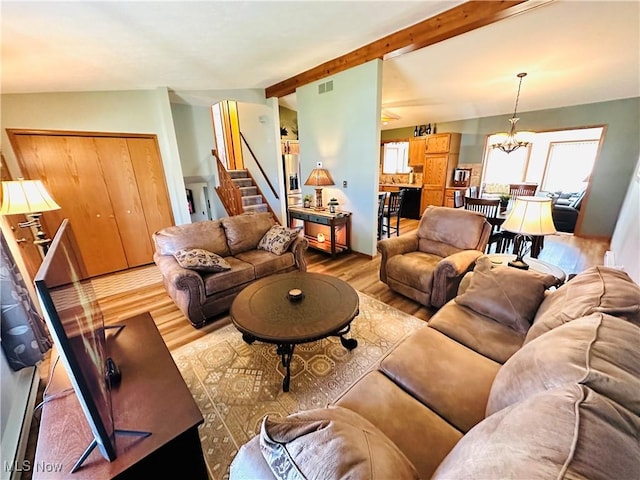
x=460, y=19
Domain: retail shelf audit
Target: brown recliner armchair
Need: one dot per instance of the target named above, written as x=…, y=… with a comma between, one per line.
x=427, y=265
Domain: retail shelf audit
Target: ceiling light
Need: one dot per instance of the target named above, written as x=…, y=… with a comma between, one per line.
x=386, y=117
x=508, y=142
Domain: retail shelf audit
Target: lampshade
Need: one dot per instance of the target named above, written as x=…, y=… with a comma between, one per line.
x=530, y=216
x=319, y=177
x=26, y=196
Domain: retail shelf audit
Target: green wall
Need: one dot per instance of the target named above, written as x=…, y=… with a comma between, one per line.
x=618, y=157
x=341, y=128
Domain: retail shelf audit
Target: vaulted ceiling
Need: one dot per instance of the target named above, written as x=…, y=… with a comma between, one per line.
x=575, y=52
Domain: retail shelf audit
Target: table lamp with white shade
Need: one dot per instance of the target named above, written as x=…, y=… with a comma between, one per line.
x=529, y=217
x=29, y=197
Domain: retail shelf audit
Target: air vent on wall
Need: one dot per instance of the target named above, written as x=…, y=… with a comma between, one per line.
x=325, y=87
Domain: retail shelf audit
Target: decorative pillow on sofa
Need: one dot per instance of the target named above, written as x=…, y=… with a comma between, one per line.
x=508, y=295
x=277, y=239
x=600, y=351
x=331, y=442
x=568, y=432
x=201, y=260
x=597, y=289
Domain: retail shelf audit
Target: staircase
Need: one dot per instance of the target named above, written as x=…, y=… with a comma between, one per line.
x=252, y=199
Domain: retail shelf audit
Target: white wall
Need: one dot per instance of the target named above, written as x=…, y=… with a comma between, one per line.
x=142, y=111
x=260, y=126
x=341, y=129
x=625, y=242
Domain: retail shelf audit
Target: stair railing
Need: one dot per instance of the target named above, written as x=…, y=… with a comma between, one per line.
x=228, y=191
x=259, y=166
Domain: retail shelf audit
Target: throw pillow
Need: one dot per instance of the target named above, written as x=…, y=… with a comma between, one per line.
x=331, y=442
x=200, y=259
x=508, y=295
x=277, y=239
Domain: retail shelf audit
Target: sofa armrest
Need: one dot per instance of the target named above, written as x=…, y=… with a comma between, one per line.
x=448, y=274
x=395, y=246
x=178, y=278
x=298, y=248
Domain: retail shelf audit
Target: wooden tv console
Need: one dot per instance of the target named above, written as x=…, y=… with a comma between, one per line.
x=152, y=397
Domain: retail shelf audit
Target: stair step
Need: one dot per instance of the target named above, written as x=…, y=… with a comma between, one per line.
x=261, y=207
x=243, y=182
x=246, y=191
x=252, y=200
x=238, y=173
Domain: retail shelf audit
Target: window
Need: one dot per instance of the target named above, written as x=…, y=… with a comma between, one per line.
x=569, y=165
x=558, y=161
x=395, y=158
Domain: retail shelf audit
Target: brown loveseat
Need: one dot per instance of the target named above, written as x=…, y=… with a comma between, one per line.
x=482, y=395
x=202, y=295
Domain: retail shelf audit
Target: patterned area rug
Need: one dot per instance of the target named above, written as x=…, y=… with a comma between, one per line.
x=236, y=384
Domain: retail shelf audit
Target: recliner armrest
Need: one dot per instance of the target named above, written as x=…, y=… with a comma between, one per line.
x=395, y=246
x=448, y=274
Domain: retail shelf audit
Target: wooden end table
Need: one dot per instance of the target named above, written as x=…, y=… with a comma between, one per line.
x=534, y=264
x=264, y=312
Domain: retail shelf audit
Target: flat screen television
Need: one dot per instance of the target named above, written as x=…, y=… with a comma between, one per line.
x=76, y=324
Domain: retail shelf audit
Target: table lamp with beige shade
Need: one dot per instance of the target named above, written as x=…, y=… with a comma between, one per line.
x=319, y=177
x=29, y=197
x=529, y=217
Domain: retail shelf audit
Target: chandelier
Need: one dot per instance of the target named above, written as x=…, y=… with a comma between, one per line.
x=508, y=142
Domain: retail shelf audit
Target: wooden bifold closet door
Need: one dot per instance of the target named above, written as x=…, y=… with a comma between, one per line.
x=111, y=188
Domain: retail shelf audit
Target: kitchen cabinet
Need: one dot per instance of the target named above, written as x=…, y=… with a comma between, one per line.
x=431, y=196
x=443, y=143
x=417, y=150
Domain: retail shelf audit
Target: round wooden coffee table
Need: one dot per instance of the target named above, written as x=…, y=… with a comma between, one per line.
x=264, y=311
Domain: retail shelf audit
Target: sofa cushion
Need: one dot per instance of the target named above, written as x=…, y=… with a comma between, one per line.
x=508, y=295
x=266, y=263
x=597, y=289
x=476, y=331
x=422, y=435
x=208, y=235
x=240, y=273
x=569, y=432
x=600, y=351
x=446, y=376
x=245, y=231
x=277, y=239
x=414, y=269
x=201, y=260
x=332, y=442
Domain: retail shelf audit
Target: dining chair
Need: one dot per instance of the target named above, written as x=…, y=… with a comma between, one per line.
x=491, y=210
x=522, y=189
x=391, y=211
x=382, y=199
x=458, y=199
x=473, y=192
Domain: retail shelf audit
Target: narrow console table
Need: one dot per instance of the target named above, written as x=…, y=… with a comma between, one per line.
x=325, y=231
x=152, y=397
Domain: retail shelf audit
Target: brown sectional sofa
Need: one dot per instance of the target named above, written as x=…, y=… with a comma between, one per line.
x=200, y=296
x=471, y=397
